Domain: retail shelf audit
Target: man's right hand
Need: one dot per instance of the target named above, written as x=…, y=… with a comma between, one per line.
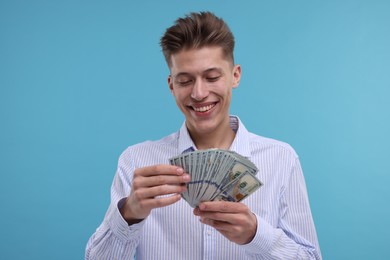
x=153, y=187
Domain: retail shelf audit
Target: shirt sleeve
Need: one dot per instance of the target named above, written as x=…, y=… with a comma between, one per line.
x=294, y=237
x=114, y=238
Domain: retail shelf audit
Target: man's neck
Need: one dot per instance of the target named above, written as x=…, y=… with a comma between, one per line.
x=221, y=138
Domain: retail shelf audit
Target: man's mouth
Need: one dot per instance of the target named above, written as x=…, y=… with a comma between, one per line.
x=203, y=109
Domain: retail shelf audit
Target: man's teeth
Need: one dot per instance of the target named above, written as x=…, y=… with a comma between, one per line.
x=203, y=109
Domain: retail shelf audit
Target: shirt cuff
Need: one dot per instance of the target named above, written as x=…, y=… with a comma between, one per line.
x=262, y=242
x=119, y=226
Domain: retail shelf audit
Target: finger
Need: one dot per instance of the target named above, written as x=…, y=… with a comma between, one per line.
x=239, y=217
x=161, y=201
x=222, y=206
x=160, y=180
x=152, y=192
x=164, y=180
x=161, y=169
x=219, y=225
x=223, y=217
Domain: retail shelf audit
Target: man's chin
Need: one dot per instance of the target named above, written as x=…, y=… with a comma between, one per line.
x=201, y=127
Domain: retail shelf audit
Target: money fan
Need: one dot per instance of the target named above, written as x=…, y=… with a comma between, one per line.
x=217, y=174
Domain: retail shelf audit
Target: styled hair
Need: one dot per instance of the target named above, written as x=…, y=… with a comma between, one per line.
x=197, y=30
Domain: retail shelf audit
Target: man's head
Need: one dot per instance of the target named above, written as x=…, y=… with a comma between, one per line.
x=199, y=53
x=195, y=31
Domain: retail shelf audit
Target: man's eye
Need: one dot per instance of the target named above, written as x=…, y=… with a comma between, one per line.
x=184, y=82
x=213, y=79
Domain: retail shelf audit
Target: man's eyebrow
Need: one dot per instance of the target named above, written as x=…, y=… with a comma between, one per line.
x=216, y=69
x=181, y=74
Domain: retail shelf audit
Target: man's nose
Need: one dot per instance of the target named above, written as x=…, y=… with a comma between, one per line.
x=199, y=90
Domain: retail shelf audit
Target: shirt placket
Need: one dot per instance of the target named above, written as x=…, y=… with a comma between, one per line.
x=209, y=243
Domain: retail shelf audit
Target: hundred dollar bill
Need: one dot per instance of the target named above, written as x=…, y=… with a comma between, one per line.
x=240, y=188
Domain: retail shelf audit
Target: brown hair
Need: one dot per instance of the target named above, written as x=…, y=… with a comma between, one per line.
x=197, y=30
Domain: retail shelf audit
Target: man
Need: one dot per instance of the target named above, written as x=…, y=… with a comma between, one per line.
x=147, y=217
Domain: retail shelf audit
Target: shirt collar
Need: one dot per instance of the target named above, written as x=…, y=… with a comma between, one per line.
x=240, y=143
x=185, y=142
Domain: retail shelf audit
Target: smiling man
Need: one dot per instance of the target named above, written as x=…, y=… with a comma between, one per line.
x=147, y=217
x=202, y=80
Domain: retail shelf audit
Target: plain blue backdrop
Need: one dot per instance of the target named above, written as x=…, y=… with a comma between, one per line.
x=82, y=80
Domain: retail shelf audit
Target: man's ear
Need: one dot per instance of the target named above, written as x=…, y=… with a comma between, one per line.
x=236, y=75
x=170, y=84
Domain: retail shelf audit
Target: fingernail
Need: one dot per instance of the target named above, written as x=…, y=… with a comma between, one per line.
x=179, y=171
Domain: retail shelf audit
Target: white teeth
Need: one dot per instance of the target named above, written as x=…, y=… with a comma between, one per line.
x=203, y=109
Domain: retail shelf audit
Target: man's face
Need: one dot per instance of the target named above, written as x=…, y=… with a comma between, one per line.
x=201, y=81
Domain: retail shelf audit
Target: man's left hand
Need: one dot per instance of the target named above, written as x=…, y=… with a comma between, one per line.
x=233, y=220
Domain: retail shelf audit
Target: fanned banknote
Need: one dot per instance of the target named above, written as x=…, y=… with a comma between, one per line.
x=217, y=174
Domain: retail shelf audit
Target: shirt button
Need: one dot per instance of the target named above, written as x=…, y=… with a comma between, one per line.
x=209, y=232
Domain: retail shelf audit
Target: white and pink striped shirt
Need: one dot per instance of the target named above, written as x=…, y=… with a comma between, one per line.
x=285, y=226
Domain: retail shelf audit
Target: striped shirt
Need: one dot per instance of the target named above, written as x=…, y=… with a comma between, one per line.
x=285, y=228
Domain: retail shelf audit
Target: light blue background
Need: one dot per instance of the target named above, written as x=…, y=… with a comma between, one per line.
x=82, y=80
